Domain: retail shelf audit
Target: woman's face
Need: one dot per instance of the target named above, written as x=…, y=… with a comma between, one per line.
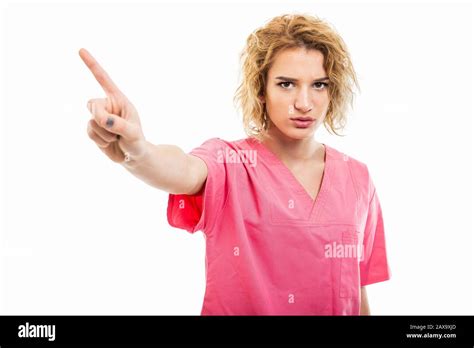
x=296, y=95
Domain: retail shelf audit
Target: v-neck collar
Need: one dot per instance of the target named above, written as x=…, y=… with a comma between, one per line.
x=316, y=203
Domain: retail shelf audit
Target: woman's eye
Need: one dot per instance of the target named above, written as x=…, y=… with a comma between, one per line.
x=320, y=85
x=284, y=83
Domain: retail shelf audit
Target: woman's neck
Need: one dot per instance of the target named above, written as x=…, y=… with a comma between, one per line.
x=292, y=151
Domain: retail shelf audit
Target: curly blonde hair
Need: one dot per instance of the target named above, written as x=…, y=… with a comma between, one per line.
x=294, y=31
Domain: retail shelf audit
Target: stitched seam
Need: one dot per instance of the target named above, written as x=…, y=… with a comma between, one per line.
x=349, y=165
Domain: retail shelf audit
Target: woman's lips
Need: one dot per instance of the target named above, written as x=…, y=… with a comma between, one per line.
x=302, y=122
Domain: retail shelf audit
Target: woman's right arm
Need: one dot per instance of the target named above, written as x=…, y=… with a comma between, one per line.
x=168, y=168
x=115, y=128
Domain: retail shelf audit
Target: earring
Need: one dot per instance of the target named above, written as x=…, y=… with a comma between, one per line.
x=127, y=157
x=265, y=119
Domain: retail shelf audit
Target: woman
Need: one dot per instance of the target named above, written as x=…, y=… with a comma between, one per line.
x=292, y=226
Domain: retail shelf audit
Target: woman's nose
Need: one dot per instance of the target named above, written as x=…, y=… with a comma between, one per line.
x=303, y=103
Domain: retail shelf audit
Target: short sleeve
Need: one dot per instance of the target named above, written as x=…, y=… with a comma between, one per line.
x=374, y=267
x=198, y=212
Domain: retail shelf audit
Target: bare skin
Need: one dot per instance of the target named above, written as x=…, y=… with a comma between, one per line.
x=364, y=304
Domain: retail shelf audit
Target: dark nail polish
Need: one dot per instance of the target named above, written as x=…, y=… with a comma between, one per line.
x=110, y=122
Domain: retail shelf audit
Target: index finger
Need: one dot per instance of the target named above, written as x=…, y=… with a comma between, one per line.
x=99, y=73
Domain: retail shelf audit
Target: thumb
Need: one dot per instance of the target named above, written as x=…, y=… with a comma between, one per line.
x=117, y=125
x=112, y=123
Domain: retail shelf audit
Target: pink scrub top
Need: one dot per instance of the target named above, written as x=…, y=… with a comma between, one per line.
x=273, y=250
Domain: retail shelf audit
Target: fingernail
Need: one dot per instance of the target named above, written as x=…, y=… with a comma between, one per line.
x=110, y=122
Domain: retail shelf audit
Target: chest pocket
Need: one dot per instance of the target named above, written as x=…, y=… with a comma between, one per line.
x=351, y=254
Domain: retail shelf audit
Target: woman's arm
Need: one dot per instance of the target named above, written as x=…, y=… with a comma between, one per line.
x=168, y=168
x=364, y=305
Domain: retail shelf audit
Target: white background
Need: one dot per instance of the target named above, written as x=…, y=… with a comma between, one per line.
x=80, y=235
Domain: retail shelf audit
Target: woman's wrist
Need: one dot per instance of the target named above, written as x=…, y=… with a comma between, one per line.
x=131, y=160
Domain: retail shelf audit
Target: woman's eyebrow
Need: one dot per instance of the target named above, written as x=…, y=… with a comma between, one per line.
x=291, y=79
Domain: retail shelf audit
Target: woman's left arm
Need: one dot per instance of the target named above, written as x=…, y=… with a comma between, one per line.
x=364, y=305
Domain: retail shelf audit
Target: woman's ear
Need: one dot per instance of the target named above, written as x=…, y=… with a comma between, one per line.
x=262, y=99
